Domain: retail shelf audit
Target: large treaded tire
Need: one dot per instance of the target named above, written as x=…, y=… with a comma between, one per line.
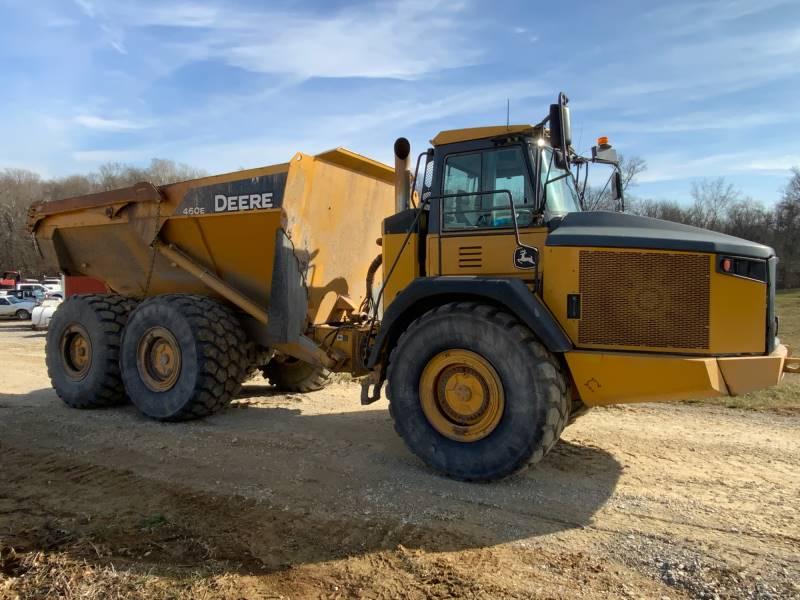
x=103, y=316
x=294, y=375
x=537, y=398
x=214, y=356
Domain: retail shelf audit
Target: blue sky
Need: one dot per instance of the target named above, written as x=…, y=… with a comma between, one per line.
x=697, y=88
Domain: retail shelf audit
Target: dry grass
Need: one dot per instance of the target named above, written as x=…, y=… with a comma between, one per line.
x=62, y=574
x=786, y=396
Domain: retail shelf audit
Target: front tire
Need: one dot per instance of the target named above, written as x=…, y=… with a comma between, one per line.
x=23, y=315
x=82, y=351
x=474, y=394
x=183, y=357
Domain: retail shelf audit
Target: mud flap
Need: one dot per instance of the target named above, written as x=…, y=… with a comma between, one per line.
x=288, y=302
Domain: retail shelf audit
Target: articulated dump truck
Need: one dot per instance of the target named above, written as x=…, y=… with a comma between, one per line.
x=493, y=307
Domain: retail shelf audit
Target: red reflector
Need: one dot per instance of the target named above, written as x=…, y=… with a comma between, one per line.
x=727, y=265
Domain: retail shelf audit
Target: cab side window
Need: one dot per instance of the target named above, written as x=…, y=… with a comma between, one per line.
x=3, y=302
x=487, y=171
x=462, y=175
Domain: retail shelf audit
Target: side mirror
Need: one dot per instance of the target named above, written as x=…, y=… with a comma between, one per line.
x=559, y=160
x=560, y=126
x=616, y=189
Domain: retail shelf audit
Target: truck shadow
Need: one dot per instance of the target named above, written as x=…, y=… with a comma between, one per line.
x=261, y=489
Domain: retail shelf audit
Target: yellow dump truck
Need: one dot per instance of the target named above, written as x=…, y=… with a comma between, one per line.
x=493, y=307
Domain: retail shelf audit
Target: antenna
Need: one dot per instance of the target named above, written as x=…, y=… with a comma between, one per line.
x=508, y=112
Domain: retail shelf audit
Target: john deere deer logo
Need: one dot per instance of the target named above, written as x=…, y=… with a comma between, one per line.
x=526, y=257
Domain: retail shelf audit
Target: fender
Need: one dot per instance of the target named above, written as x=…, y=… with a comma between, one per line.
x=425, y=293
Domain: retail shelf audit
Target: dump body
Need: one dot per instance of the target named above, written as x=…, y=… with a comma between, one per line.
x=330, y=206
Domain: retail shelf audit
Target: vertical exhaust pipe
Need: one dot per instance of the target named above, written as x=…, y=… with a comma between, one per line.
x=402, y=175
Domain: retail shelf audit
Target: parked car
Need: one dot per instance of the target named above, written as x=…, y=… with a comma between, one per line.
x=10, y=306
x=53, y=285
x=35, y=289
x=42, y=314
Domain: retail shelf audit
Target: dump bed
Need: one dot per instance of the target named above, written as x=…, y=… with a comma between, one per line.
x=327, y=208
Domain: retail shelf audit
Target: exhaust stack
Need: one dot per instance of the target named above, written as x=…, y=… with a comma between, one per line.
x=402, y=175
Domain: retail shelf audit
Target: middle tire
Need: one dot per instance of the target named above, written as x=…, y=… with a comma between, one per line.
x=294, y=375
x=182, y=357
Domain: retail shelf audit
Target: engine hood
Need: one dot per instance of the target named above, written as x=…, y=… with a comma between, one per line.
x=603, y=229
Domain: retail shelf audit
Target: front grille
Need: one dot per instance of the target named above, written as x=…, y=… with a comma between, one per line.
x=643, y=299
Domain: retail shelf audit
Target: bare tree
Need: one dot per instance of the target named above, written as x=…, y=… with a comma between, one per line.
x=750, y=220
x=712, y=198
x=600, y=198
x=787, y=232
x=668, y=210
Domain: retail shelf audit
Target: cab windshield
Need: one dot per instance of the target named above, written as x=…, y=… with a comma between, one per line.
x=557, y=184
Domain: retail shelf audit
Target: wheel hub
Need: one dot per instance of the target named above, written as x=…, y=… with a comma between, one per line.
x=461, y=395
x=76, y=351
x=158, y=359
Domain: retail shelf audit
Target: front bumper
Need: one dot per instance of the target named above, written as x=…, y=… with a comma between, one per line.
x=745, y=374
x=603, y=378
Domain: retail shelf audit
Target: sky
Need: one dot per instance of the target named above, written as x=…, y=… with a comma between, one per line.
x=701, y=88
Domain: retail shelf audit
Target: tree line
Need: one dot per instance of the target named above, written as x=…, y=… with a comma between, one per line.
x=716, y=204
x=19, y=188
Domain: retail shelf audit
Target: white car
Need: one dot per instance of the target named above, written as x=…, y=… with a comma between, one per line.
x=10, y=306
x=42, y=314
x=53, y=285
x=32, y=290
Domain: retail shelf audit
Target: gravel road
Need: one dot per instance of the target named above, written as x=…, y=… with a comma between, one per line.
x=315, y=496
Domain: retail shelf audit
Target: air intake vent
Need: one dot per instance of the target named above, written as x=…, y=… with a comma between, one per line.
x=470, y=257
x=644, y=300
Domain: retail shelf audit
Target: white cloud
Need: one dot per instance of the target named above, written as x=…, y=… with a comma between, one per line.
x=704, y=121
x=60, y=22
x=103, y=124
x=673, y=166
x=705, y=15
x=392, y=40
x=777, y=163
x=87, y=6
x=115, y=38
x=104, y=156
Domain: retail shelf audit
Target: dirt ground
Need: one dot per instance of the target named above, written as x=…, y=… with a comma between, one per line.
x=285, y=496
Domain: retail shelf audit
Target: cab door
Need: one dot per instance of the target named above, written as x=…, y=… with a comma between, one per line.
x=476, y=228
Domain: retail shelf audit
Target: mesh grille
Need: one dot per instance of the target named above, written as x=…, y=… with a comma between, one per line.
x=644, y=299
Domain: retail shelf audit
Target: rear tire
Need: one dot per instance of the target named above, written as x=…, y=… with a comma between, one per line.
x=82, y=351
x=23, y=315
x=293, y=375
x=490, y=362
x=183, y=357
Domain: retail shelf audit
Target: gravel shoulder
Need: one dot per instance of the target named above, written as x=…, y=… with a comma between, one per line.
x=315, y=496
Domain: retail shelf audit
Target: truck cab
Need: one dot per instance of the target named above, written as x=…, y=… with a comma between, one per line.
x=619, y=295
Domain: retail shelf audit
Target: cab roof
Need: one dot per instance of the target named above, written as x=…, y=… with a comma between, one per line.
x=451, y=136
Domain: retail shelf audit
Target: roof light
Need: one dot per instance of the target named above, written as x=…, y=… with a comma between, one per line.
x=602, y=140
